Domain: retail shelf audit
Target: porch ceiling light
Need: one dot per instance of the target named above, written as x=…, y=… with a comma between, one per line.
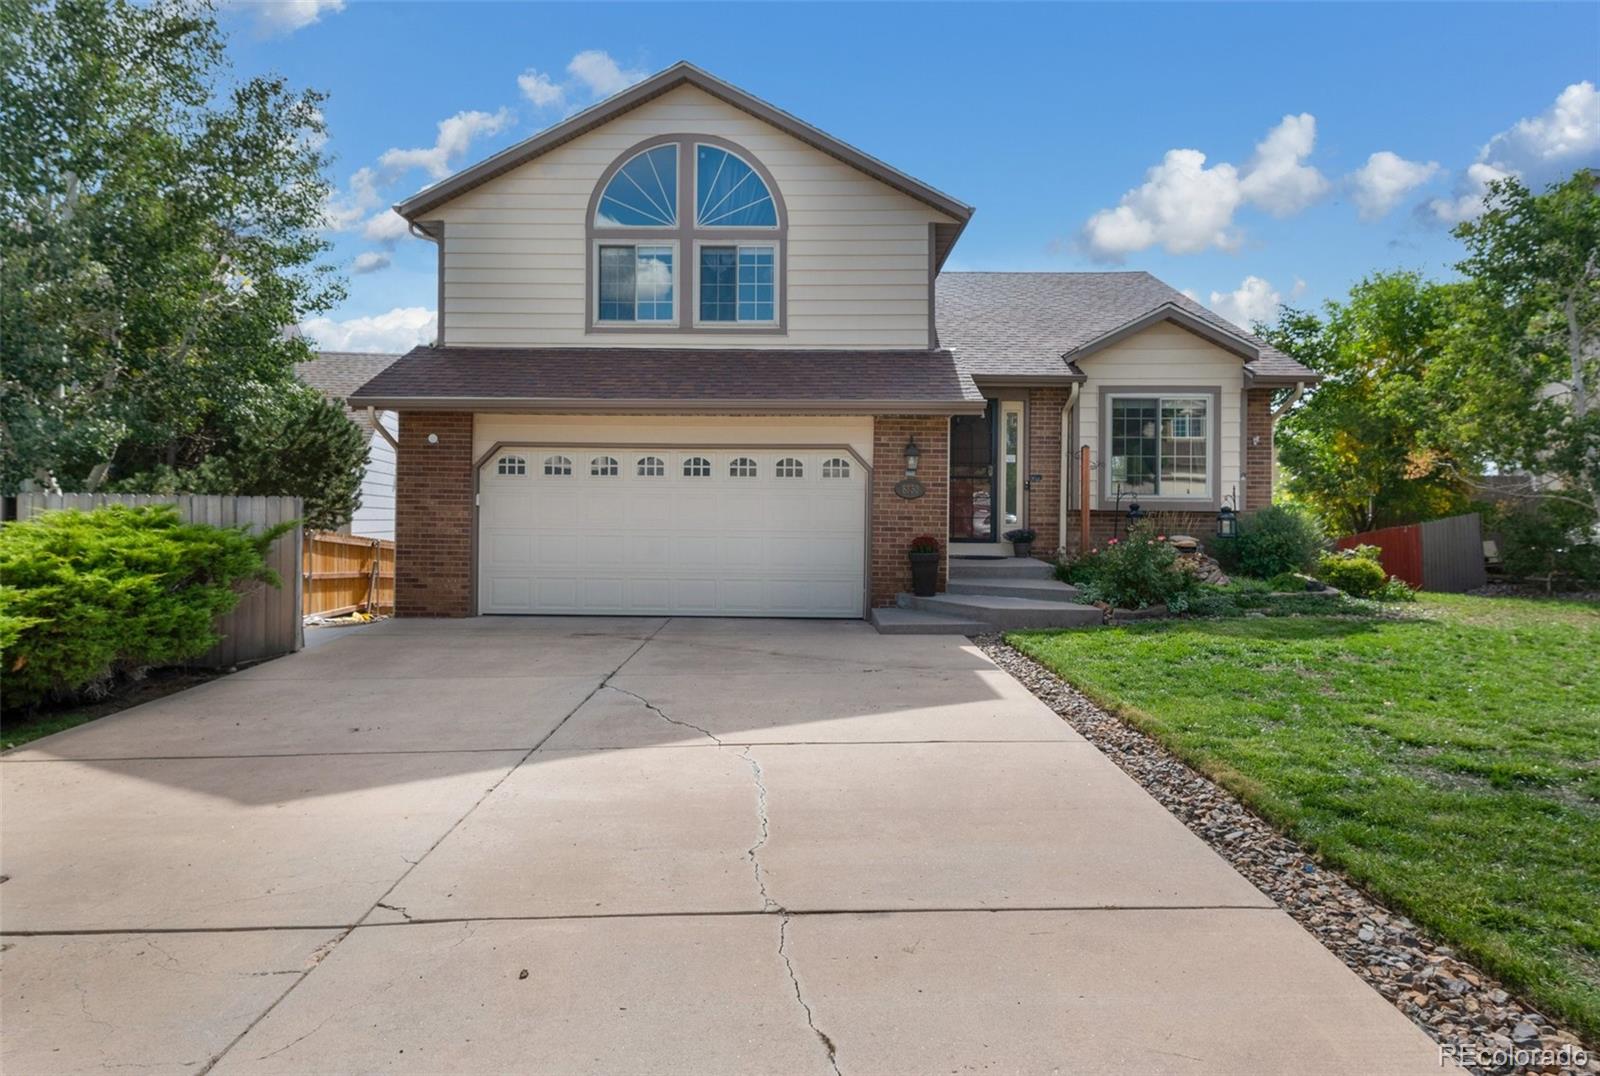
x=913, y=456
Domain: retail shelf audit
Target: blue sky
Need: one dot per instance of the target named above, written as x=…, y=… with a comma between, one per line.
x=1228, y=149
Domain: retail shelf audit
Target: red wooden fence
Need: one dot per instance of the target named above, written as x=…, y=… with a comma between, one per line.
x=1402, y=550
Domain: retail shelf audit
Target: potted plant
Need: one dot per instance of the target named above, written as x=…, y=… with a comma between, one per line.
x=924, y=554
x=1021, y=541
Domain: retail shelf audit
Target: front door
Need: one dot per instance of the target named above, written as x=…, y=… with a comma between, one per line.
x=972, y=476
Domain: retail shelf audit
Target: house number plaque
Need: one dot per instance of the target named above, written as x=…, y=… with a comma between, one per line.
x=909, y=488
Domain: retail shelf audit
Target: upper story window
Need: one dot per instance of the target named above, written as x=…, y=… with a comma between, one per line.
x=687, y=233
x=728, y=193
x=643, y=193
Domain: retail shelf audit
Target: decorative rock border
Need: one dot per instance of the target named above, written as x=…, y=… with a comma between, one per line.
x=1474, y=1019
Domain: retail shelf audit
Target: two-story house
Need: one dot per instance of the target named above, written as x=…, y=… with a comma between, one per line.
x=690, y=350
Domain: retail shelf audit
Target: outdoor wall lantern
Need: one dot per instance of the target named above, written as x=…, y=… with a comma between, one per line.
x=1135, y=513
x=1228, y=517
x=913, y=457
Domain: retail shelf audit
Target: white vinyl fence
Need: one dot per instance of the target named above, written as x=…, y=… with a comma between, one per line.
x=266, y=623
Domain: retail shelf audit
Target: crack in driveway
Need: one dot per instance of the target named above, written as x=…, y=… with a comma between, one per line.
x=659, y=712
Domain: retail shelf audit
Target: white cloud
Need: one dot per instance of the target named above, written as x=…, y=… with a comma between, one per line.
x=455, y=137
x=1537, y=149
x=370, y=261
x=540, y=89
x=600, y=74
x=1278, y=179
x=344, y=211
x=1186, y=207
x=1379, y=185
x=386, y=226
x=400, y=329
x=273, y=17
x=1182, y=205
x=1253, y=300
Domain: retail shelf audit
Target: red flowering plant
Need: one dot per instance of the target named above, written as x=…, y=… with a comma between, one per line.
x=924, y=544
x=1136, y=572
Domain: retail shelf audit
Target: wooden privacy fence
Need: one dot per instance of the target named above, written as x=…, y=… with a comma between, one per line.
x=1441, y=554
x=266, y=622
x=344, y=574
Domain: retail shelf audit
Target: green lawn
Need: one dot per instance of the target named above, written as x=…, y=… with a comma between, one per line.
x=1449, y=762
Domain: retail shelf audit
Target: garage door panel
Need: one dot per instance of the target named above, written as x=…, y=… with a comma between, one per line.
x=722, y=544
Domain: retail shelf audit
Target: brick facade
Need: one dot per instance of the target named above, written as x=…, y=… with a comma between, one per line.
x=1258, y=452
x=1044, y=459
x=433, y=516
x=896, y=521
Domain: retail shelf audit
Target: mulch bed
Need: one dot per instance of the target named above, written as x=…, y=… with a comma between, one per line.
x=1492, y=1031
x=20, y=728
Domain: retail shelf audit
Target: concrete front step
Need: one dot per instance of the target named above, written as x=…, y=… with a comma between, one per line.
x=1000, y=568
x=1045, y=590
x=1006, y=612
x=899, y=621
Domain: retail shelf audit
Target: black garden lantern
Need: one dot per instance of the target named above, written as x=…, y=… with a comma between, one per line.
x=1135, y=514
x=1227, y=522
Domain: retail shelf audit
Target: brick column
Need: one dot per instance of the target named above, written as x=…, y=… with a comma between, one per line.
x=895, y=521
x=433, y=515
x=1044, y=459
x=1258, y=452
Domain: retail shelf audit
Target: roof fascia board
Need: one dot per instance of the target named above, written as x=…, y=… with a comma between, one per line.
x=592, y=405
x=1180, y=317
x=678, y=74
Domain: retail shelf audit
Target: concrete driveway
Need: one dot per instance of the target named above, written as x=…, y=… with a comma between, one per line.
x=636, y=846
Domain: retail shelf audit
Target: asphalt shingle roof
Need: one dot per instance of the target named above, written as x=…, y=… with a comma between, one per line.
x=337, y=374
x=731, y=375
x=1021, y=324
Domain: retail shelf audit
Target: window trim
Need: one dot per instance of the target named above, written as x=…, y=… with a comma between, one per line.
x=685, y=237
x=636, y=242
x=777, y=284
x=744, y=158
x=1166, y=502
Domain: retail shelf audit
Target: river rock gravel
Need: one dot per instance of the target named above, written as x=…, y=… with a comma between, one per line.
x=1475, y=1019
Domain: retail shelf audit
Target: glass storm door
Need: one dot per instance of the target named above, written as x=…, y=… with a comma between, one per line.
x=972, y=476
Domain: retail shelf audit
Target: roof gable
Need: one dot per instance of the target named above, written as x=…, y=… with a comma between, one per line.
x=1174, y=314
x=681, y=74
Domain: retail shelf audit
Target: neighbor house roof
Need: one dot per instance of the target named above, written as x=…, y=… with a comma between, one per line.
x=1036, y=325
x=337, y=374
x=684, y=73
x=665, y=379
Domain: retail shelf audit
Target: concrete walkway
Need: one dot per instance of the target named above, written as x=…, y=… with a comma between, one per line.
x=636, y=846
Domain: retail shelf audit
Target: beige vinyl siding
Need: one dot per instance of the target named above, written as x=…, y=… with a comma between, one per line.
x=515, y=248
x=1165, y=356
x=375, y=517
x=489, y=430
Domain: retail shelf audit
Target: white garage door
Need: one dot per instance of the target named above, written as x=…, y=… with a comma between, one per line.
x=686, y=531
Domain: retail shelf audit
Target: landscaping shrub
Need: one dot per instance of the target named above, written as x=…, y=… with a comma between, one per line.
x=1354, y=571
x=1271, y=541
x=86, y=597
x=1135, y=572
x=1550, y=541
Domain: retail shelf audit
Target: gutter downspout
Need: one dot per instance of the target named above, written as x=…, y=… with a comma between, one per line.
x=1068, y=453
x=1294, y=397
x=372, y=417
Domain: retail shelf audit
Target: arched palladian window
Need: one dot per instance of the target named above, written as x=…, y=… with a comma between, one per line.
x=511, y=465
x=687, y=234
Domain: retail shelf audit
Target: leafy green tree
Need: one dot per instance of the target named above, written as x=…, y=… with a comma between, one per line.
x=159, y=227
x=1520, y=372
x=297, y=442
x=1361, y=451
